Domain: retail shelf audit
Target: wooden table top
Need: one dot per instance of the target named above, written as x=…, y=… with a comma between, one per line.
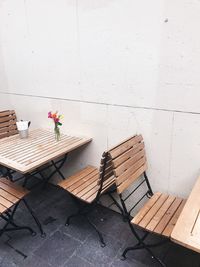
x=25, y=155
x=187, y=229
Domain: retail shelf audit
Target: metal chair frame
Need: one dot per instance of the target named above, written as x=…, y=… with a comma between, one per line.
x=85, y=208
x=127, y=216
x=8, y=217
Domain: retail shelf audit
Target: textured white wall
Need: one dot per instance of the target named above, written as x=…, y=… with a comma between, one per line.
x=113, y=68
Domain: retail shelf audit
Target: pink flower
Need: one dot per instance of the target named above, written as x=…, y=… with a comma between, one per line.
x=49, y=114
x=56, y=120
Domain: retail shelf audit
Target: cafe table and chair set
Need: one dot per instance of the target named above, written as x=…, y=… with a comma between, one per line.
x=122, y=170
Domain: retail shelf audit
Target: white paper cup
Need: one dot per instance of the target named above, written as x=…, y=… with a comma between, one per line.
x=23, y=134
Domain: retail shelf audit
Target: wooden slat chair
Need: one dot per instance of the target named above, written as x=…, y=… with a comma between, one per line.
x=10, y=197
x=161, y=211
x=8, y=125
x=8, y=128
x=87, y=185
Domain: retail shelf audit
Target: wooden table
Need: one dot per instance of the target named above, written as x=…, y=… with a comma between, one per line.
x=187, y=229
x=26, y=155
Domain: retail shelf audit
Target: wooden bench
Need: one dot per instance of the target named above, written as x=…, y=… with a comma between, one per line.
x=8, y=125
x=161, y=211
x=187, y=229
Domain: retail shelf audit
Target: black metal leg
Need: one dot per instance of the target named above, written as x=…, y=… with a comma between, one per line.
x=16, y=228
x=142, y=246
x=83, y=210
x=35, y=218
x=25, y=180
x=8, y=174
x=57, y=169
x=99, y=234
x=148, y=184
x=9, y=220
x=6, y=219
x=70, y=217
x=117, y=204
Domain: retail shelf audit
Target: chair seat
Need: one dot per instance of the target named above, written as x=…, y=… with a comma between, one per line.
x=159, y=214
x=10, y=194
x=85, y=184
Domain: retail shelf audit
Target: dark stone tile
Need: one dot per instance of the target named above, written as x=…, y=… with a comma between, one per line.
x=142, y=255
x=78, y=244
x=76, y=261
x=180, y=256
x=7, y=263
x=33, y=261
x=24, y=242
x=79, y=229
x=111, y=223
x=57, y=249
x=10, y=257
x=4, y=248
x=127, y=263
x=94, y=253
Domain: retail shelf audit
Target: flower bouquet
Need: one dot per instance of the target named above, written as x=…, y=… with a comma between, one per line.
x=56, y=119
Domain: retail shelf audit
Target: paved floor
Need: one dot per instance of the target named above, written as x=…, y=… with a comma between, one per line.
x=77, y=244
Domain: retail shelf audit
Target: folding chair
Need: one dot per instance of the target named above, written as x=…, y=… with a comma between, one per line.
x=87, y=186
x=8, y=128
x=11, y=195
x=8, y=125
x=161, y=211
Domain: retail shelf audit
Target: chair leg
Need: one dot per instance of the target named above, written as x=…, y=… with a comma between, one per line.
x=35, y=218
x=25, y=180
x=118, y=206
x=142, y=246
x=98, y=232
x=70, y=217
x=9, y=220
x=15, y=226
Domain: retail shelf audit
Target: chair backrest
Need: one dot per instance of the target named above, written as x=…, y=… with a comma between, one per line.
x=106, y=174
x=8, y=125
x=106, y=168
x=128, y=162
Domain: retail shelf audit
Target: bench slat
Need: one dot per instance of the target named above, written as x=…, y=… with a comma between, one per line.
x=6, y=203
x=128, y=164
x=8, y=123
x=186, y=230
x=128, y=154
x=130, y=179
x=166, y=226
x=125, y=146
x=8, y=196
x=151, y=213
x=161, y=212
x=76, y=177
x=143, y=211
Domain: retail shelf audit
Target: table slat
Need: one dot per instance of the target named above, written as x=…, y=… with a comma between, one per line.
x=25, y=155
x=187, y=229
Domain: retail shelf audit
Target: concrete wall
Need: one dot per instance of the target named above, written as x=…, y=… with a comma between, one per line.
x=113, y=68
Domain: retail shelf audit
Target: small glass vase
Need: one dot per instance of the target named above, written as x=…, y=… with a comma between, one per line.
x=57, y=133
